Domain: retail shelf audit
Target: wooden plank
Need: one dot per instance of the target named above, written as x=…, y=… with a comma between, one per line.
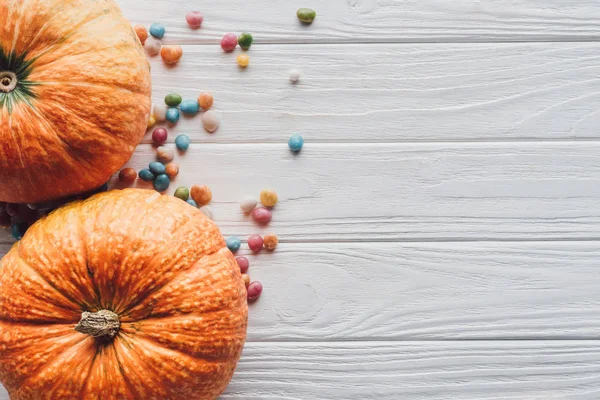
x=388, y=93
x=274, y=21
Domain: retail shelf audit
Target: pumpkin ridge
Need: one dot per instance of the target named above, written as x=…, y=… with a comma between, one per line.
x=93, y=84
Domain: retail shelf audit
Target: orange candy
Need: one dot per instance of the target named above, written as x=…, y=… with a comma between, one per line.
x=271, y=241
x=171, y=54
x=201, y=194
x=205, y=100
x=141, y=33
x=172, y=170
x=128, y=175
x=246, y=278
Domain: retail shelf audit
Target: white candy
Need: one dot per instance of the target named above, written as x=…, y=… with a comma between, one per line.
x=160, y=112
x=294, y=75
x=153, y=46
x=207, y=210
x=210, y=121
x=165, y=154
x=248, y=204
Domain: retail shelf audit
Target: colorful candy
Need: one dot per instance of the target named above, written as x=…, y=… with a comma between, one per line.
x=182, y=193
x=296, y=143
x=159, y=136
x=165, y=154
x=201, y=194
x=173, y=99
x=229, y=42
x=207, y=210
x=18, y=229
x=268, y=197
x=141, y=33
x=127, y=175
x=255, y=243
x=262, y=215
x=233, y=244
x=205, y=100
x=306, y=15
x=246, y=279
x=173, y=115
x=271, y=241
x=160, y=112
x=210, y=121
x=254, y=291
x=151, y=121
x=192, y=203
x=190, y=107
x=146, y=175
x=245, y=40
x=172, y=170
x=157, y=168
x=157, y=30
x=248, y=204
x=243, y=263
x=182, y=142
x=153, y=46
x=162, y=182
x=194, y=19
x=294, y=75
x=171, y=54
x=243, y=60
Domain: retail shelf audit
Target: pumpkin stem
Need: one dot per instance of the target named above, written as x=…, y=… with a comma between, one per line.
x=100, y=324
x=8, y=81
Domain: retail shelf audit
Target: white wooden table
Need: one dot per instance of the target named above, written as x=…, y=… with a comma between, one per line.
x=440, y=230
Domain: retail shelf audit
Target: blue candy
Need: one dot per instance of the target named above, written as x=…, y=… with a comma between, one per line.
x=233, y=244
x=162, y=182
x=173, y=115
x=157, y=30
x=191, y=202
x=157, y=168
x=17, y=230
x=189, y=107
x=182, y=142
x=296, y=142
x=146, y=175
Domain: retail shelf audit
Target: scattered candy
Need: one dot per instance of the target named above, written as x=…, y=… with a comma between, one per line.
x=182, y=193
x=157, y=30
x=248, y=204
x=159, y=136
x=171, y=54
x=271, y=241
x=172, y=170
x=165, y=154
x=128, y=175
x=18, y=229
x=146, y=175
x=190, y=107
x=255, y=243
x=246, y=279
x=243, y=263
x=262, y=215
x=157, y=168
x=201, y=194
x=229, y=42
x=194, y=19
x=296, y=143
x=153, y=46
x=151, y=121
x=160, y=112
x=294, y=75
x=254, y=290
x=306, y=15
x=269, y=197
x=207, y=210
x=173, y=99
x=245, y=40
x=141, y=33
x=243, y=60
x=210, y=121
x=173, y=115
x=233, y=244
x=191, y=202
x=205, y=100
x=182, y=142
x=161, y=183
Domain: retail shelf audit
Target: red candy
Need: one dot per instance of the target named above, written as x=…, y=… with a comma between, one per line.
x=255, y=242
x=159, y=136
x=194, y=19
x=254, y=290
x=243, y=263
x=229, y=42
x=262, y=215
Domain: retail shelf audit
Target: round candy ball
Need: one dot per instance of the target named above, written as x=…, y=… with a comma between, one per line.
x=294, y=75
x=146, y=175
x=172, y=170
x=233, y=244
x=229, y=42
x=246, y=279
x=157, y=168
x=243, y=263
x=192, y=203
x=173, y=99
x=201, y=194
x=268, y=197
x=151, y=121
x=157, y=30
x=205, y=100
x=159, y=136
x=271, y=241
x=296, y=143
x=141, y=33
x=208, y=211
x=306, y=15
x=262, y=215
x=162, y=182
x=173, y=115
x=190, y=107
x=127, y=175
x=245, y=40
x=153, y=46
x=255, y=243
x=18, y=229
x=248, y=204
x=182, y=193
x=210, y=121
x=194, y=19
x=243, y=60
x=254, y=291
x=182, y=142
x=165, y=154
x=171, y=54
x=160, y=112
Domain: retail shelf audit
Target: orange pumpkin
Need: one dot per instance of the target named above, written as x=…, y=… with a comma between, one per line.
x=74, y=96
x=126, y=295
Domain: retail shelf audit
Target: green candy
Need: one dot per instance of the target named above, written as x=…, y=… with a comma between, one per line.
x=306, y=15
x=182, y=193
x=173, y=100
x=245, y=40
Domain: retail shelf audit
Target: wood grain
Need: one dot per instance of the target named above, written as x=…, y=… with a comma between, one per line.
x=274, y=21
x=390, y=93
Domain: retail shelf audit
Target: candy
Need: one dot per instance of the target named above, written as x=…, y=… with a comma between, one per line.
x=229, y=42
x=18, y=229
x=194, y=19
x=306, y=15
x=243, y=263
x=255, y=243
x=192, y=203
x=201, y=194
x=153, y=46
x=248, y=204
x=182, y=142
x=294, y=75
x=127, y=175
x=165, y=154
x=171, y=54
x=207, y=210
x=146, y=175
x=243, y=60
x=246, y=279
x=172, y=170
x=161, y=183
x=210, y=121
x=141, y=33
x=157, y=30
x=182, y=193
x=295, y=143
x=262, y=215
x=151, y=121
x=173, y=115
x=173, y=99
x=254, y=290
x=160, y=135
x=268, y=197
x=157, y=168
x=190, y=107
x=233, y=244
x=205, y=100
x=160, y=112
x=245, y=40
x=271, y=241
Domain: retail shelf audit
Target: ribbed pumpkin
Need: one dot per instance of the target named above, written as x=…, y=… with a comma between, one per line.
x=126, y=295
x=74, y=96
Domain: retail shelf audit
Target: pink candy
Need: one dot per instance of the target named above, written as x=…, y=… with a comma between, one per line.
x=262, y=215
x=243, y=263
x=194, y=19
x=254, y=290
x=255, y=242
x=159, y=136
x=229, y=42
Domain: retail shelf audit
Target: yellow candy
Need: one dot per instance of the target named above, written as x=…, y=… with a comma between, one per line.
x=243, y=60
x=151, y=121
x=269, y=198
